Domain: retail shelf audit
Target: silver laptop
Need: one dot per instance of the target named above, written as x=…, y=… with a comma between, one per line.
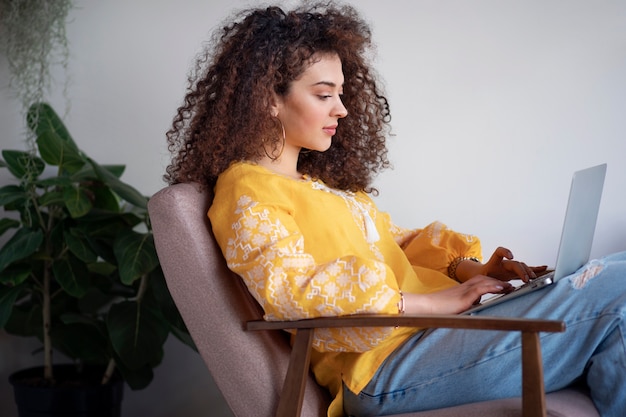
x=576, y=239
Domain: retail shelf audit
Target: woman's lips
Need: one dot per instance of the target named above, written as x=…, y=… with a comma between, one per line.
x=331, y=130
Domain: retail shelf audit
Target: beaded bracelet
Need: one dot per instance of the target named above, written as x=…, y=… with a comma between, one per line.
x=455, y=263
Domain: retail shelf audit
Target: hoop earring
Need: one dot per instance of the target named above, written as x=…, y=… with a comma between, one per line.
x=282, y=127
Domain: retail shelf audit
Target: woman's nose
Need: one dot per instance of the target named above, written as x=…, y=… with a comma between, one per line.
x=340, y=109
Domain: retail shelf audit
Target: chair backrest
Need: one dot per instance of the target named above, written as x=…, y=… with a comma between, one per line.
x=248, y=367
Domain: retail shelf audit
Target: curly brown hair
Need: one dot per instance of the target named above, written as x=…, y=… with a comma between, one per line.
x=226, y=112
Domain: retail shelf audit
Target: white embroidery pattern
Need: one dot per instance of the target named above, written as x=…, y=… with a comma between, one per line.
x=401, y=235
x=360, y=213
x=286, y=281
x=435, y=229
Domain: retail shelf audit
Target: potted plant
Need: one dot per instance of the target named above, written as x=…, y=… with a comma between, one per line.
x=80, y=270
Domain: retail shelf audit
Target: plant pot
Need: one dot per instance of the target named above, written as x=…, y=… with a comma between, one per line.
x=73, y=394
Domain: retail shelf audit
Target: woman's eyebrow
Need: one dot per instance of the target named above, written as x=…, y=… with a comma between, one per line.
x=326, y=83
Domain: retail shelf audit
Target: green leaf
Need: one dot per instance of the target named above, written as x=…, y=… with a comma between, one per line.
x=72, y=275
x=51, y=198
x=122, y=189
x=56, y=239
x=25, y=321
x=55, y=182
x=80, y=340
x=105, y=199
x=116, y=170
x=8, y=296
x=7, y=224
x=85, y=173
x=24, y=243
x=11, y=193
x=79, y=247
x=77, y=201
x=136, y=378
x=136, y=255
x=97, y=299
x=56, y=151
x=137, y=334
x=16, y=274
x=21, y=163
x=41, y=117
x=102, y=268
x=88, y=173
x=102, y=245
x=101, y=224
x=158, y=297
x=182, y=334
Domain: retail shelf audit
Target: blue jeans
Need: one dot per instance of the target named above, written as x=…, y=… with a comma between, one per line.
x=445, y=367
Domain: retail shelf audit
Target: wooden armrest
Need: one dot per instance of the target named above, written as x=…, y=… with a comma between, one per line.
x=407, y=320
x=533, y=392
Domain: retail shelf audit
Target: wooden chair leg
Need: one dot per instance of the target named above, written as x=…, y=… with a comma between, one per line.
x=533, y=398
x=533, y=388
x=290, y=403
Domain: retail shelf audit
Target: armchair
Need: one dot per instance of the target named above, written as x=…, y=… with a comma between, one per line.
x=251, y=360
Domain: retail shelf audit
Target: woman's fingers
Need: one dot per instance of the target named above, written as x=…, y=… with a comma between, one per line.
x=502, y=266
x=499, y=254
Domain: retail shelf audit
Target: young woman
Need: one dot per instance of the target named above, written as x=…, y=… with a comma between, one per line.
x=285, y=121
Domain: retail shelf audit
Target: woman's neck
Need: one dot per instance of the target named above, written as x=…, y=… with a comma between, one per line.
x=286, y=164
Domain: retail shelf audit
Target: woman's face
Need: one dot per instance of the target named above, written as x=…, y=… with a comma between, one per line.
x=312, y=107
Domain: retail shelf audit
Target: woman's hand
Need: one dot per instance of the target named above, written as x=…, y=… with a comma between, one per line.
x=478, y=280
x=502, y=266
x=456, y=299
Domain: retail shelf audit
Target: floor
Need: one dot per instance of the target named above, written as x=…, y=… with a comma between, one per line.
x=182, y=385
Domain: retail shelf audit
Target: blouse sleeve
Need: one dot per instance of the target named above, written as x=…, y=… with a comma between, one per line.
x=263, y=244
x=436, y=246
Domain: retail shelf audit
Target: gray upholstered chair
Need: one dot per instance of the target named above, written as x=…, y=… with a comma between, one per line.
x=251, y=364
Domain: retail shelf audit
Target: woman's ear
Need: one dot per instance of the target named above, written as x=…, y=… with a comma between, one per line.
x=275, y=106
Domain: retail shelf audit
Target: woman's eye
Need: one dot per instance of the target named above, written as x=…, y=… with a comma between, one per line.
x=324, y=96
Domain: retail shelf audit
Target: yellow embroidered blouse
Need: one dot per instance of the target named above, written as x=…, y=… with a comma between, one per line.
x=305, y=250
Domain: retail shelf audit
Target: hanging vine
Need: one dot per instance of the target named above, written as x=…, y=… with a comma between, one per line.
x=33, y=39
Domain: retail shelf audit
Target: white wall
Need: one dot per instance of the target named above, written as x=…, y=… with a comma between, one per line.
x=495, y=103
